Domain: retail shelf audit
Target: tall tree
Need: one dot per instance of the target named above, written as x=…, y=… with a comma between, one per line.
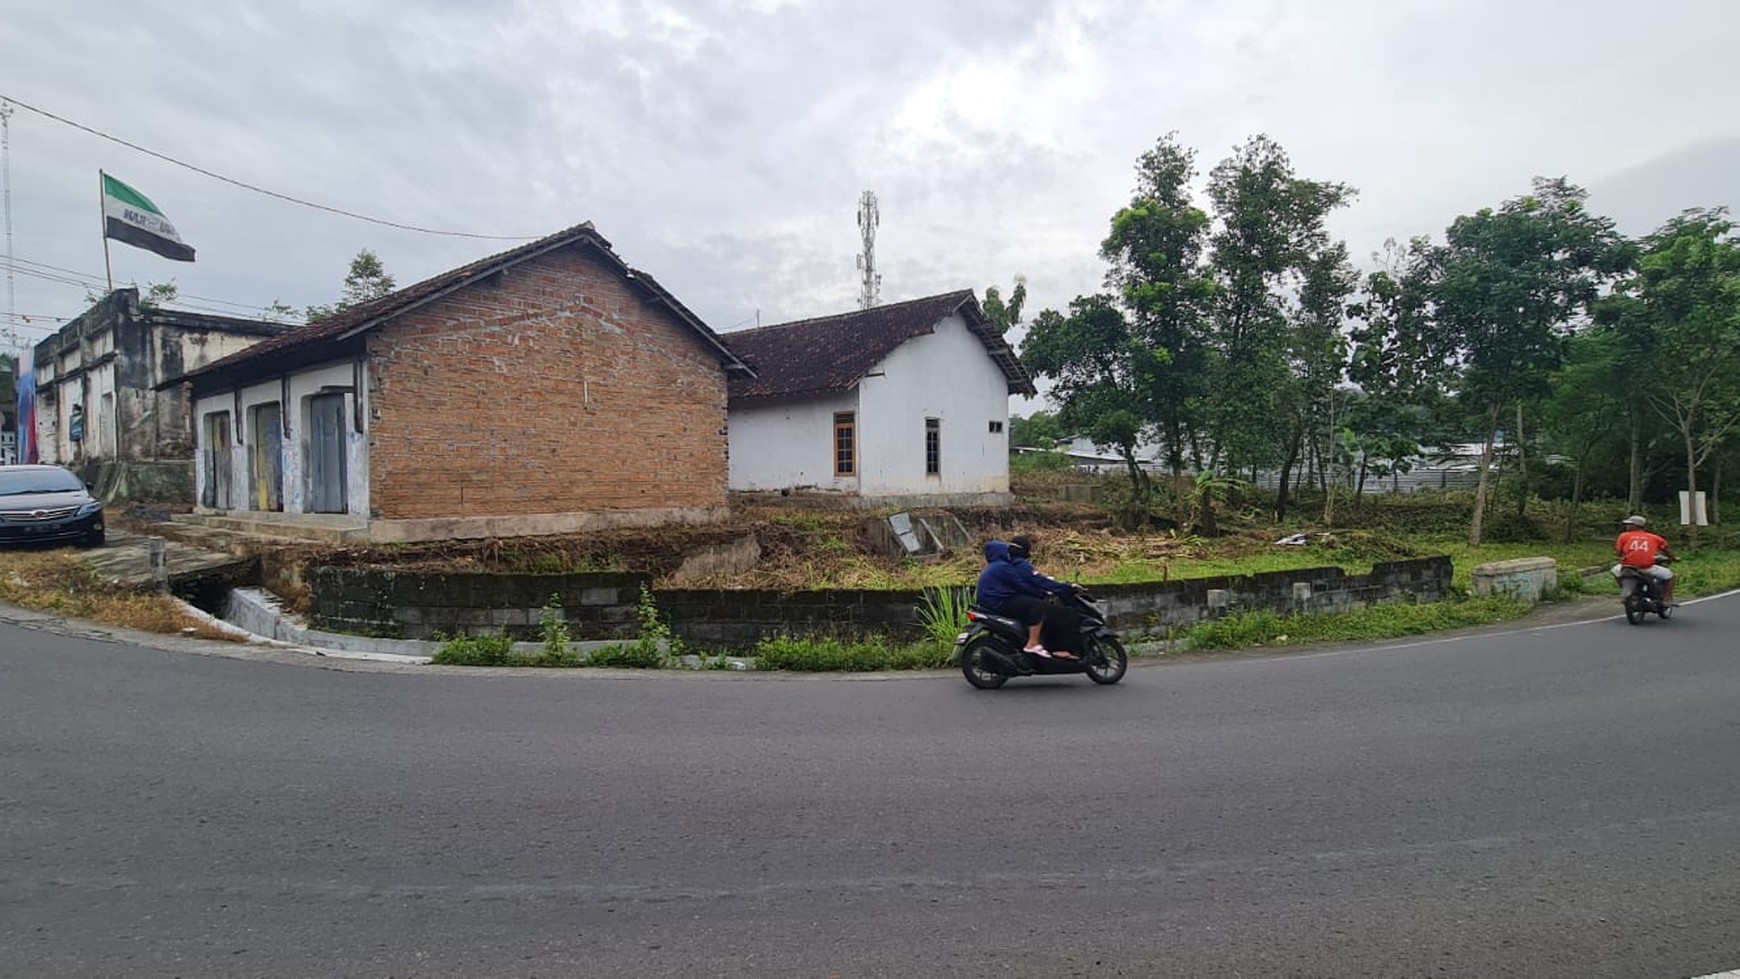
x=1098, y=364
x=1688, y=286
x=1155, y=256
x=1587, y=407
x=1318, y=351
x=1398, y=360
x=1272, y=227
x=366, y=281
x=1005, y=315
x=1039, y=430
x=1507, y=284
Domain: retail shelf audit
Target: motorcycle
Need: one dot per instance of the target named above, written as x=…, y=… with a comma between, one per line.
x=1641, y=594
x=992, y=649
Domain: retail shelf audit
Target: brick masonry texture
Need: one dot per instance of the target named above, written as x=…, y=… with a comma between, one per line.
x=603, y=606
x=551, y=388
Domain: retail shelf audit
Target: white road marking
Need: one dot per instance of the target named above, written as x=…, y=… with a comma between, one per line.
x=1731, y=974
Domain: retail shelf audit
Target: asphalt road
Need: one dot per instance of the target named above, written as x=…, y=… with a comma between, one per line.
x=1561, y=802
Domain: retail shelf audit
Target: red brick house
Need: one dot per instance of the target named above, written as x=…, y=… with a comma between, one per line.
x=547, y=389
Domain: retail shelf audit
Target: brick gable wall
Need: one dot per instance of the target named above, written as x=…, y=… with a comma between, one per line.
x=552, y=389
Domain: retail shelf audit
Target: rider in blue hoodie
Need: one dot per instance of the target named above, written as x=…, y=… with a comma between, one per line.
x=1013, y=587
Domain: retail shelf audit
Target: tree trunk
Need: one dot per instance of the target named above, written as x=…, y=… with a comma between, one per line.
x=1576, y=501
x=1634, y=495
x=1522, y=465
x=1359, y=487
x=1281, y=497
x=1480, y=486
x=1180, y=494
x=1205, y=520
x=1691, y=480
x=1140, y=485
x=1716, y=494
x=1328, y=484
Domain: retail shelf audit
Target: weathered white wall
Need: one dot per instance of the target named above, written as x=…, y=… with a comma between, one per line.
x=304, y=384
x=788, y=445
x=945, y=375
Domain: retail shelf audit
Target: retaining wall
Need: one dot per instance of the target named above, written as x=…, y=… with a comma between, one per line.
x=418, y=605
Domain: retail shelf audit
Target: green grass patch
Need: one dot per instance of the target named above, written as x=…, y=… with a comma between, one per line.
x=806, y=655
x=1280, y=559
x=1392, y=621
x=1707, y=571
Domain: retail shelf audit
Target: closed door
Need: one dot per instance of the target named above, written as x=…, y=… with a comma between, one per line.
x=326, y=438
x=216, y=494
x=268, y=458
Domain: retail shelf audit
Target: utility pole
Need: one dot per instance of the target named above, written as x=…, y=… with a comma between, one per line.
x=869, y=217
x=6, y=193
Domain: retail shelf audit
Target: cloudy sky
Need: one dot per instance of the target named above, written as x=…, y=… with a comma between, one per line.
x=722, y=144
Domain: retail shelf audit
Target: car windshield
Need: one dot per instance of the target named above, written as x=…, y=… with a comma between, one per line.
x=17, y=482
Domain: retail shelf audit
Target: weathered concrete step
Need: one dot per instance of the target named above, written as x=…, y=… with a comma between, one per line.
x=126, y=561
x=323, y=528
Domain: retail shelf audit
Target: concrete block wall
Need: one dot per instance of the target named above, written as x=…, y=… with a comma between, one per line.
x=417, y=605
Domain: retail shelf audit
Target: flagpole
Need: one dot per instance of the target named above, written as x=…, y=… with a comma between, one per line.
x=108, y=272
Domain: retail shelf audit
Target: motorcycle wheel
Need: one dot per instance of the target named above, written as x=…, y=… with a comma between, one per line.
x=1633, y=612
x=1106, y=661
x=974, y=669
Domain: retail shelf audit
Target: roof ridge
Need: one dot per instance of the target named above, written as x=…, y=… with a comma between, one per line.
x=852, y=312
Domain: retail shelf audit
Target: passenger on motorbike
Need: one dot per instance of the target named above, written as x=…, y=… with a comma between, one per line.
x=1011, y=586
x=1637, y=549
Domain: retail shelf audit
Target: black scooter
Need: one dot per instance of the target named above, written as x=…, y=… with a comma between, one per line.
x=1641, y=594
x=991, y=650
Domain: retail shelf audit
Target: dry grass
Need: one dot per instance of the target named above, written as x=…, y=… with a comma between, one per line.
x=62, y=583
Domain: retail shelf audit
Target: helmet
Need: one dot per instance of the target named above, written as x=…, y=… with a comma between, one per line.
x=1634, y=521
x=1021, y=545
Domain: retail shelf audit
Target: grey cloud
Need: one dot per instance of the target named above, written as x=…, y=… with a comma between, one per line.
x=722, y=144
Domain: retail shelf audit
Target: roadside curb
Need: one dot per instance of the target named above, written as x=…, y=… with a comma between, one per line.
x=255, y=648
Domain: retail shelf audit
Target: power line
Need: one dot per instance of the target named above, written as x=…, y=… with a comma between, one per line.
x=256, y=189
x=89, y=282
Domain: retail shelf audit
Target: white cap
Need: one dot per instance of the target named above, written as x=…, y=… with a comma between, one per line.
x=1634, y=520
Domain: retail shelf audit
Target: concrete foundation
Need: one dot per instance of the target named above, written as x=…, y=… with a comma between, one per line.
x=1524, y=579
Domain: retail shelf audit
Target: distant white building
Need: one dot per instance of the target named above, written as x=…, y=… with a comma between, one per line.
x=108, y=399
x=906, y=403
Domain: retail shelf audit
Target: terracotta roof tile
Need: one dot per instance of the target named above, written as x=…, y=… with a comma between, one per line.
x=260, y=357
x=831, y=353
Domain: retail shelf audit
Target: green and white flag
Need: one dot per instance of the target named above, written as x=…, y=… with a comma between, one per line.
x=130, y=216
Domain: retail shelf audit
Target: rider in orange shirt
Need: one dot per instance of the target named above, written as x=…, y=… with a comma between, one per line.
x=1637, y=549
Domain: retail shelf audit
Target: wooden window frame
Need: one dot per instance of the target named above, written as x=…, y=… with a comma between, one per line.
x=933, y=446
x=845, y=463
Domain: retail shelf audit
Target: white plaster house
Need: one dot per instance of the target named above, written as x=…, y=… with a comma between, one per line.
x=903, y=404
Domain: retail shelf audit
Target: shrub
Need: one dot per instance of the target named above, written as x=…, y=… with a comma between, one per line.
x=806, y=655
x=1029, y=462
x=474, y=651
x=943, y=612
x=555, y=632
x=635, y=657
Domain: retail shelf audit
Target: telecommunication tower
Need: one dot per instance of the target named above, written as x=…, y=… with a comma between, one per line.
x=868, y=218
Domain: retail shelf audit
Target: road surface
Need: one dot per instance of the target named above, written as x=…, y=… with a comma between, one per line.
x=1557, y=802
